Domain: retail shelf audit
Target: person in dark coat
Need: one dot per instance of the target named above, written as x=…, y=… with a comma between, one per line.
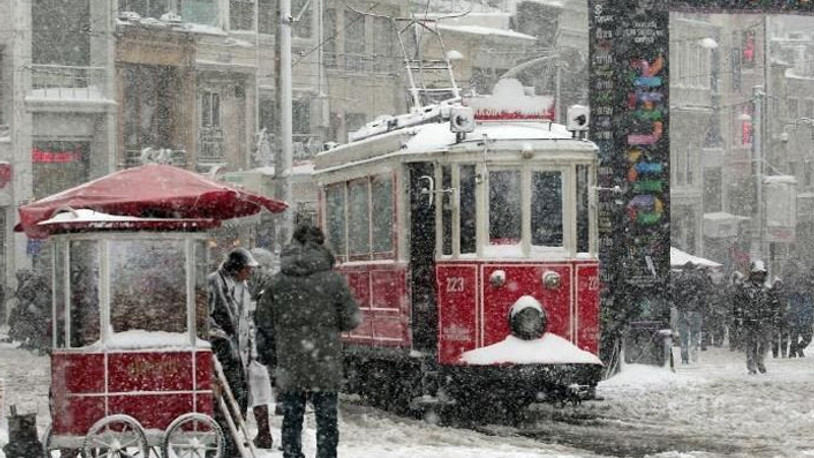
x=735, y=309
x=800, y=298
x=757, y=314
x=230, y=330
x=308, y=305
x=688, y=291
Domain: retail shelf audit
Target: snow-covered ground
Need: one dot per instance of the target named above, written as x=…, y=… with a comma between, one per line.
x=708, y=409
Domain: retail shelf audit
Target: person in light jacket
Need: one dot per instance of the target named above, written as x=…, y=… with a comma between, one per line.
x=230, y=330
x=308, y=305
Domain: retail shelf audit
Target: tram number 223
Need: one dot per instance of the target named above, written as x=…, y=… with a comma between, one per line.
x=455, y=284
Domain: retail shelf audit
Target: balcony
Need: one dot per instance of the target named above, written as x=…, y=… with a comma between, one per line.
x=61, y=85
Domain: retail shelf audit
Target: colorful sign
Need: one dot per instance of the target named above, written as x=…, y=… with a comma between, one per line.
x=629, y=98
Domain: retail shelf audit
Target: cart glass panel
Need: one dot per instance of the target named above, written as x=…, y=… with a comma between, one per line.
x=84, y=292
x=148, y=285
x=59, y=296
x=201, y=295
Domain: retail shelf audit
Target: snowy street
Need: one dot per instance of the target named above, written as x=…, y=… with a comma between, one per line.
x=708, y=409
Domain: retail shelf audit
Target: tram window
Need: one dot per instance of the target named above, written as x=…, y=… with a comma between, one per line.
x=335, y=216
x=446, y=210
x=382, y=214
x=466, y=196
x=84, y=292
x=201, y=294
x=546, y=209
x=148, y=285
x=505, y=208
x=59, y=296
x=582, y=209
x=358, y=218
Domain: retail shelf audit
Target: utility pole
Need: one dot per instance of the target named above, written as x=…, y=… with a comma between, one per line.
x=757, y=148
x=283, y=174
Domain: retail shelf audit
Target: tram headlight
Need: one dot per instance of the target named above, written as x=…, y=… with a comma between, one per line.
x=527, y=319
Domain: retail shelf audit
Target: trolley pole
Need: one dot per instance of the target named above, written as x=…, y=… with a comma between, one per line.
x=283, y=174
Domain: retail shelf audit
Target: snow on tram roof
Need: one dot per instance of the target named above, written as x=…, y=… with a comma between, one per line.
x=435, y=137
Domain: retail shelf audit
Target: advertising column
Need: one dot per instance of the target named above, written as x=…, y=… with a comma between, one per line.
x=629, y=91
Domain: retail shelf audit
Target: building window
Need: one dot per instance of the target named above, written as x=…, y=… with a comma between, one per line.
x=241, y=14
x=59, y=165
x=329, y=45
x=199, y=11
x=266, y=16
x=304, y=27
x=210, y=110
x=712, y=190
x=150, y=109
x=354, y=33
x=146, y=8
x=2, y=99
x=792, y=107
x=62, y=32
x=354, y=121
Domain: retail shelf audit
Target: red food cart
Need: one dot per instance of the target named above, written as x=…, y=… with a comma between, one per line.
x=131, y=368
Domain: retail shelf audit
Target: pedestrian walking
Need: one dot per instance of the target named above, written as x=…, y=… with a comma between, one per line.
x=780, y=333
x=230, y=330
x=758, y=309
x=308, y=305
x=800, y=297
x=688, y=290
x=735, y=310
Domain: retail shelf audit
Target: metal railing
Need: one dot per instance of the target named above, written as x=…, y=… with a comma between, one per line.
x=67, y=82
x=373, y=64
x=134, y=158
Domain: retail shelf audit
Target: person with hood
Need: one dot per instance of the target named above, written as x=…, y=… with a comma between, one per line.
x=308, y=305
x=231, y=329
x=758, y=309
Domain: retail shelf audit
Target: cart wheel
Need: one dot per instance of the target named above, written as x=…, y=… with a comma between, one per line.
x=49, y=451
x=116, y=436
x=193, y=435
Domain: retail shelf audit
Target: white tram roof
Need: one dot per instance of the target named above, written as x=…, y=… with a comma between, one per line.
x=416, y=142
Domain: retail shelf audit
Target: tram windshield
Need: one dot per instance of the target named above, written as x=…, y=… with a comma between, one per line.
x=531, y=209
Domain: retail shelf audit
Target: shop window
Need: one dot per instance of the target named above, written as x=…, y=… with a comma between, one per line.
x=546, y=209
x=84, y=292
x=335, y=218
x=505, y=207
x=59, y=165
x=382, y=214
x=358, y=218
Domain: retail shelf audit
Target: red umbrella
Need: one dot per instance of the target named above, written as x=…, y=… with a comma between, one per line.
x=149, y=191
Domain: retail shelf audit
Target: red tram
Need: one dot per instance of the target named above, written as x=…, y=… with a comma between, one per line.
x=469, y=237
x=132, y=371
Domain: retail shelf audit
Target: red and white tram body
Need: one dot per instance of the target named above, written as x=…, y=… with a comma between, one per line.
x=444, y=235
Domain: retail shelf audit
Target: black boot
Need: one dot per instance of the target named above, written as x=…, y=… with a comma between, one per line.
x=263, y=439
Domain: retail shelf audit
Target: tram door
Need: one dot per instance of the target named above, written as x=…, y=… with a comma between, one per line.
x=422, y=255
